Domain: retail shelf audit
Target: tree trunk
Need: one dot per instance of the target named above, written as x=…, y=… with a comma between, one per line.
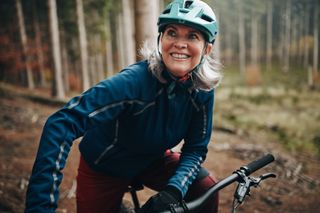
x=127, y=19
x=58, y=89
x=294, y=39
x=116, y=46
x=38, y=41
x=92, y=70
x=269, y=34
x=306, y=34
x=287, y=37
x=120, y=41
x=109, y=51
x=24, y=42
x=99, y=62
x=316, y=38
x=242, y=42
x=146, y=15
x=300, y=34
x=99, y=58
x=83, y=46
x=65, y=66
x=253, y=73
x=254, y=41
x=281, y=32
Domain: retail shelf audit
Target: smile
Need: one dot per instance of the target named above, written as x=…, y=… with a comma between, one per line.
x=179, y=56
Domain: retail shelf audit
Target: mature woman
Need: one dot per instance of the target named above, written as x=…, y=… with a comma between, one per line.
x=129, y=123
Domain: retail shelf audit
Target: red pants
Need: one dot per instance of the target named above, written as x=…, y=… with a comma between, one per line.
x=97, y=192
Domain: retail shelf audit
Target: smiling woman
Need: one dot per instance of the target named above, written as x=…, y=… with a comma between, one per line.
x=182, y=49
x=130, y=122
x=187, y=32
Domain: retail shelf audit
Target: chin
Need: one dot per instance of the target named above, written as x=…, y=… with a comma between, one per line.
x=179, y=72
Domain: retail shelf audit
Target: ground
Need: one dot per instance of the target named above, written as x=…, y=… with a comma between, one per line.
x=295, y=190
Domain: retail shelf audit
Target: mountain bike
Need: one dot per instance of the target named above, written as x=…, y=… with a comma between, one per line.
x=241, y=176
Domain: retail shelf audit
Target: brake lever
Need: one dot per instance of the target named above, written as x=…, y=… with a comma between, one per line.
x=256, y=181
x=244, y=185
x=268, y=175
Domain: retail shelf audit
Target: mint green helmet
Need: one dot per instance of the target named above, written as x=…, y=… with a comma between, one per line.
x=193, y=13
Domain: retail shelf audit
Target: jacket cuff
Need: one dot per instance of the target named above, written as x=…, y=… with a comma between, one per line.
x=174, y=192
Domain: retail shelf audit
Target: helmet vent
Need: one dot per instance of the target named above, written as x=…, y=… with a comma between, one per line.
x=207, y=18
x=187, y=4
x=166, y=11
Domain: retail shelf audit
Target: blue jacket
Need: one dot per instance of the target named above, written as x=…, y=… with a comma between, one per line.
x=126, y=121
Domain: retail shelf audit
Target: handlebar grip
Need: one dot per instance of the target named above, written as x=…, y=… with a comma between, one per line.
x=258, y=164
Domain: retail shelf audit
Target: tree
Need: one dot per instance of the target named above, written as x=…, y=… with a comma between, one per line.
x=316, y=38
x=269, y=34
x=146, y=14
x=306, y=34
x=108, y=45
x=242, y=42
x=127, y=36
x=24, y=40
x=287, y=36
x=83, y=46
x=58, y=89
x=39, y=48
x=254, y=50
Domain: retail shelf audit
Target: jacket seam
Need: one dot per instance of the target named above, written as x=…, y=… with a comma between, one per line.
x=111, y=146
x=75, y=103
x=150, y=104
x=145, y=108
x=204, y=130
x=94, y=113
x=190, y=173
x=194, y=104
x=54, y=173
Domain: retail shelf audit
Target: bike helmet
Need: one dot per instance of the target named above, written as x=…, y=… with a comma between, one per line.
x=193, y=13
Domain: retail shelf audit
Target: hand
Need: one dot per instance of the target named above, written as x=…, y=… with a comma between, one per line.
x=162, y=201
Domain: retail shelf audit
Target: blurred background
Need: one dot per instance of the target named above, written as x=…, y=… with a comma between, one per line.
x=51, y=50
x=70, y=45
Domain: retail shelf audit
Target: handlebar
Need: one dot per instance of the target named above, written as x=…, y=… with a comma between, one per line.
x=258, y=164
x=196, y=205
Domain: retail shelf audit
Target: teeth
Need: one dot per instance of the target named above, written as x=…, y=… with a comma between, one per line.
x=179, y=56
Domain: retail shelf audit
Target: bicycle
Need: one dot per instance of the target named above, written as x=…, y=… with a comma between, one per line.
x=242, y=176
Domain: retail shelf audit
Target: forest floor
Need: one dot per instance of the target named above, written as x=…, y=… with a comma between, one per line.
x=23, y=113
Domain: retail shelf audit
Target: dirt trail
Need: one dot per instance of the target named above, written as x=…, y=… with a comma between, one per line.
x=296, y=189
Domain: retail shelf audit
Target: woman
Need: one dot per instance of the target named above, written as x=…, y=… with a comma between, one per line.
x=130, y=122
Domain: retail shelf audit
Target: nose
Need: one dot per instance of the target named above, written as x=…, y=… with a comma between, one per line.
x=181, y=44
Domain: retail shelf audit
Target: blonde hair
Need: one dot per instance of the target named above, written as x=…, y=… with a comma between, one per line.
x=206, y=78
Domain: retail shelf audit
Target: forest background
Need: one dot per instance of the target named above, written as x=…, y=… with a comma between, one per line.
x=51, y=50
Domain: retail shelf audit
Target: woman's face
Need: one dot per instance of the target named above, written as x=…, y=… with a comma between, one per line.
x=182, y=48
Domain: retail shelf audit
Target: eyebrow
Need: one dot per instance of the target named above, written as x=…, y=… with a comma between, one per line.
x=175, y=28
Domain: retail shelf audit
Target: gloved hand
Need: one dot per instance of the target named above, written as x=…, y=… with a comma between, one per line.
x=162, y=201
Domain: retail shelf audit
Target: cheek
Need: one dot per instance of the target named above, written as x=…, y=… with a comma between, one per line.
x=197, y=53
x=199, y=50
x=165, y=46
x=165, y=53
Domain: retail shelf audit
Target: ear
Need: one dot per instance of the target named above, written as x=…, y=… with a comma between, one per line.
x=208, y=48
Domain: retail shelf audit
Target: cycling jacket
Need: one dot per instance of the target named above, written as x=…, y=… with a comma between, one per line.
x=126, y=121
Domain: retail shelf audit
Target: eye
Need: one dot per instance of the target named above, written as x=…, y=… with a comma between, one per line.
x=171, y=33
x=193, y=36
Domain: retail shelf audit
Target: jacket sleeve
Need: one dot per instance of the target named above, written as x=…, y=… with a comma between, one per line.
x=99, y=104
x=194, y=150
